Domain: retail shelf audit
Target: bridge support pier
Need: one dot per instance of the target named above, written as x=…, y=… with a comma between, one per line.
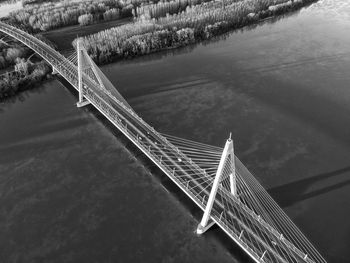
x=206, y=221
x=82, y=103
x=54, y=71
x=202, y=229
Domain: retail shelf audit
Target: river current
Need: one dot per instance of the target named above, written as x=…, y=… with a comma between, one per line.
x=72, y=189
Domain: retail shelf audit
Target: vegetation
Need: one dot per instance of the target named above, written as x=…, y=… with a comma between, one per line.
x=167, y=7
x=155, y=29
x=8, y=1
x=8, y=54
x=85, y=19
x=26, y=74
x=111, y=14
x=47, y=16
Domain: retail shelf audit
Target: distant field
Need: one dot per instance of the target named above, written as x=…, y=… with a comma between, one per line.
x=49, y=15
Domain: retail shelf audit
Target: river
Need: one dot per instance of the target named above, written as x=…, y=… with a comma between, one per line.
x=72, y=189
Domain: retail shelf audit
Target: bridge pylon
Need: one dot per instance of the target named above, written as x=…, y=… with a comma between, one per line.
x=81, y=53
x=227, y=159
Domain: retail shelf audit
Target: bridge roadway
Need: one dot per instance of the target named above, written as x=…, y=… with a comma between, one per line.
x=257, y=236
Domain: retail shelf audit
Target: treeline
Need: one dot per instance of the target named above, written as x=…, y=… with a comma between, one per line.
x=196, y=23
x=141, y=44
x=111, y=14
x=8, y=1
x=26, y=74
x=30, y=2
x=163, y=8
x=47, y=16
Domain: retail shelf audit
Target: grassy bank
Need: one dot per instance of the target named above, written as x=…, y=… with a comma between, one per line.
x=156, y=30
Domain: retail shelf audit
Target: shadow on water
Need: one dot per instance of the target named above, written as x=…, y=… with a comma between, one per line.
x=215, y=232
x=160, y=88
x=294, y=192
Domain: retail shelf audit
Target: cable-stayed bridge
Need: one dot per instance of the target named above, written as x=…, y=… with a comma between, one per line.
x=212, y=177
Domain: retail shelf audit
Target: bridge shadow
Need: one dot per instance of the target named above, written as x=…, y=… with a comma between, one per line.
x=294, y=192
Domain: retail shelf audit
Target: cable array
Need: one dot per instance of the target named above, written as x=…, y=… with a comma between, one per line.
x=270, y=225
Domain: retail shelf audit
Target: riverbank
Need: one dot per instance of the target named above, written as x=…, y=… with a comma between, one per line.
x=153, y=32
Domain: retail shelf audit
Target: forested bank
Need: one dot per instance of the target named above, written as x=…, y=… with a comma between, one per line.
x=25, y=76
x=160, y=25
x=155, y=29
x=20, y=73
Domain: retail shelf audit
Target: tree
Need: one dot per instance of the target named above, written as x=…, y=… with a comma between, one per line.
x=3, y=63
x=13, y=53
x=22, y=66
x=85, y=19
x=111, y=14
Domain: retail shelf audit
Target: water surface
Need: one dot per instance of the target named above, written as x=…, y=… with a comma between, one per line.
x=73, y=190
